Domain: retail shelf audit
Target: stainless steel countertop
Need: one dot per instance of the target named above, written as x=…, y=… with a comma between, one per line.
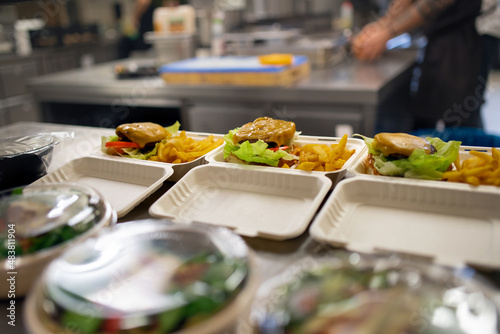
x=352, y=82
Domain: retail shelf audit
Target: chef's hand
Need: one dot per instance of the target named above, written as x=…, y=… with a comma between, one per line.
x=371, y=41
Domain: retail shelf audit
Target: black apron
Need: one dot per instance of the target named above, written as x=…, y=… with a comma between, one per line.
x=449, y=86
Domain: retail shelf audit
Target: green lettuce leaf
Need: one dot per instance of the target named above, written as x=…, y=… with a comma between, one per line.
x=137, y=153
x=419, y=165
x=105, y=139
x=253, y=152
x=174, y=128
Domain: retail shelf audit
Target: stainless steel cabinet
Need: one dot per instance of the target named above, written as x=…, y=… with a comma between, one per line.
x=16, y=101
x=321, y=120
x=26, y=110
x=219, y=118
x=310, y=119
x=21, y=108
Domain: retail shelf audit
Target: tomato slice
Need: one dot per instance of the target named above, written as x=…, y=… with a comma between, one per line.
x=121, y=144
x=112, y=325
x=279, y=148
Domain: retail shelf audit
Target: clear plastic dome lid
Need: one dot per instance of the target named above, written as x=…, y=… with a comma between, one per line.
x=145, y=276
x=359, y=294
x=40, y=217
x=19, y=145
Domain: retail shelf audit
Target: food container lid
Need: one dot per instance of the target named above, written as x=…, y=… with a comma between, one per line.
x=41, y=217
x=143, y=276
x=354, y=293
x=13, y=146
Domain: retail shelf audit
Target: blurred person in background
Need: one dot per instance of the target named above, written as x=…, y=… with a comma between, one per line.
x=142, y=22
x=454, y=67
x=488, y=26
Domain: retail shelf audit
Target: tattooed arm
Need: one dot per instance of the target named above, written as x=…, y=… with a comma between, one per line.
x=416, y=15
x=402, y=16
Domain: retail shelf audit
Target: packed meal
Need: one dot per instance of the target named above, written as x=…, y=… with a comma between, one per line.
x=271, y=142
x=480, y=169
x=405, y=155
x=151, y=141
x=44, y=219
x=327, y=300
x=141, y=291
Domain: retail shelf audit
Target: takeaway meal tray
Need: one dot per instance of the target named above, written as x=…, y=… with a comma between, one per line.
x=217, y=157
x=123, y=182
x=179, y=169
x=446, y=222
x=357, y=168
x=267, y=203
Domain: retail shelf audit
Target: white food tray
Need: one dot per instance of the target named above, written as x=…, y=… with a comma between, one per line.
x=124, y=183
x=179, y=169
x=217, y=156
x=447, y=223
x=255, y=203
x=358, y=168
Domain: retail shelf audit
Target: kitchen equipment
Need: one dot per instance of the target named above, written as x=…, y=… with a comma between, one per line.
x=22, y=35
x=39, y=223
x=132, y=71
x=143, y=276
x=321, y=51
x=173, y=20
x=171, y=47
x=234, y=71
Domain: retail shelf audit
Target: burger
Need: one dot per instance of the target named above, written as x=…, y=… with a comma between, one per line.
x=137, y=140
x=401, y=154
x=265, y=141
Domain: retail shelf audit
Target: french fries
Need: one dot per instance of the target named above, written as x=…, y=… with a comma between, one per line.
x=324, y=158
x=480, y=169
x=182, y=149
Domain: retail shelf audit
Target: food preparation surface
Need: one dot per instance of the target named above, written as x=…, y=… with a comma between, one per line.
x=359, y=87
x=354, y=82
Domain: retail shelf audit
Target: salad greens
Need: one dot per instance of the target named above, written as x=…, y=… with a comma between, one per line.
x=419, y=165
x=52, y=238
x=254, y=152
